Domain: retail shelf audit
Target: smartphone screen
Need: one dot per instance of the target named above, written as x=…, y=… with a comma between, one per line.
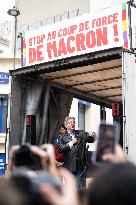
x=107, y=138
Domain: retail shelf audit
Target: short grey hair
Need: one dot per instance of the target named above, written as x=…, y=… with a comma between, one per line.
x=67, y=119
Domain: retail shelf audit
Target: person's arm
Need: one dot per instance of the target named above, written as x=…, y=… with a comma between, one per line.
x=68, y=194
x=116, y=157
x=47, y=156
x=62, y=146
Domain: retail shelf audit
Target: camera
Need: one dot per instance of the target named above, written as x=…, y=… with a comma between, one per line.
x=28, y=172
x=24, y=157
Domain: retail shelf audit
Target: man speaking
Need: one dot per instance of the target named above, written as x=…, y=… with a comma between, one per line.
x=73, y=146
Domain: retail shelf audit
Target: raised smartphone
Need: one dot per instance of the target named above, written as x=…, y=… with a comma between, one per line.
x=108, y=137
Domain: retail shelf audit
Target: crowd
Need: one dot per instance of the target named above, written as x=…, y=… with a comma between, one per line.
x=34, y=178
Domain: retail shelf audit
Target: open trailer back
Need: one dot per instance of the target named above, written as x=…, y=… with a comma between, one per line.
x=91, y=57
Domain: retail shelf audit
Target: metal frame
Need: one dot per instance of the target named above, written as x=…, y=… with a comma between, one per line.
x=33, y=72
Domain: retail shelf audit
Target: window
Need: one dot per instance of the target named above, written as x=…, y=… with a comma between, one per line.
x=81, y=116
x=3, y=114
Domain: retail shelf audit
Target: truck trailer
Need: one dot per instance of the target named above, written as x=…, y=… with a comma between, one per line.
x=91, y=57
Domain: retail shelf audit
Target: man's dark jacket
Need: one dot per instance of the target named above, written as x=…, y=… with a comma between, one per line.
x=76, y=154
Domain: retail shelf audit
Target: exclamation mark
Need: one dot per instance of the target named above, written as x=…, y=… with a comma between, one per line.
x=115, y=29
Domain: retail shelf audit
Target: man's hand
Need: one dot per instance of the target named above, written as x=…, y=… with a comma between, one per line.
x=74, y=141
x=116, y=157
x=91, y=134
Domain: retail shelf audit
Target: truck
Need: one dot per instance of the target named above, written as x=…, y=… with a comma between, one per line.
x=91, y=57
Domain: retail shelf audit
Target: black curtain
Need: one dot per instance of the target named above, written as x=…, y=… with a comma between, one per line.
x=49, y=104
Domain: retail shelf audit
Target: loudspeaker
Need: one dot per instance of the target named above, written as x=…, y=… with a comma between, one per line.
x=116, y=110
x=31, y=129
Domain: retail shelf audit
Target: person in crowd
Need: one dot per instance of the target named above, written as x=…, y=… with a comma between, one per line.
x=26, y=175
x=113, y=184
x=59, y=156
x=73, y=146
x=32, y=157
x=9, y=195
x=63, y=129
x=68, y=194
